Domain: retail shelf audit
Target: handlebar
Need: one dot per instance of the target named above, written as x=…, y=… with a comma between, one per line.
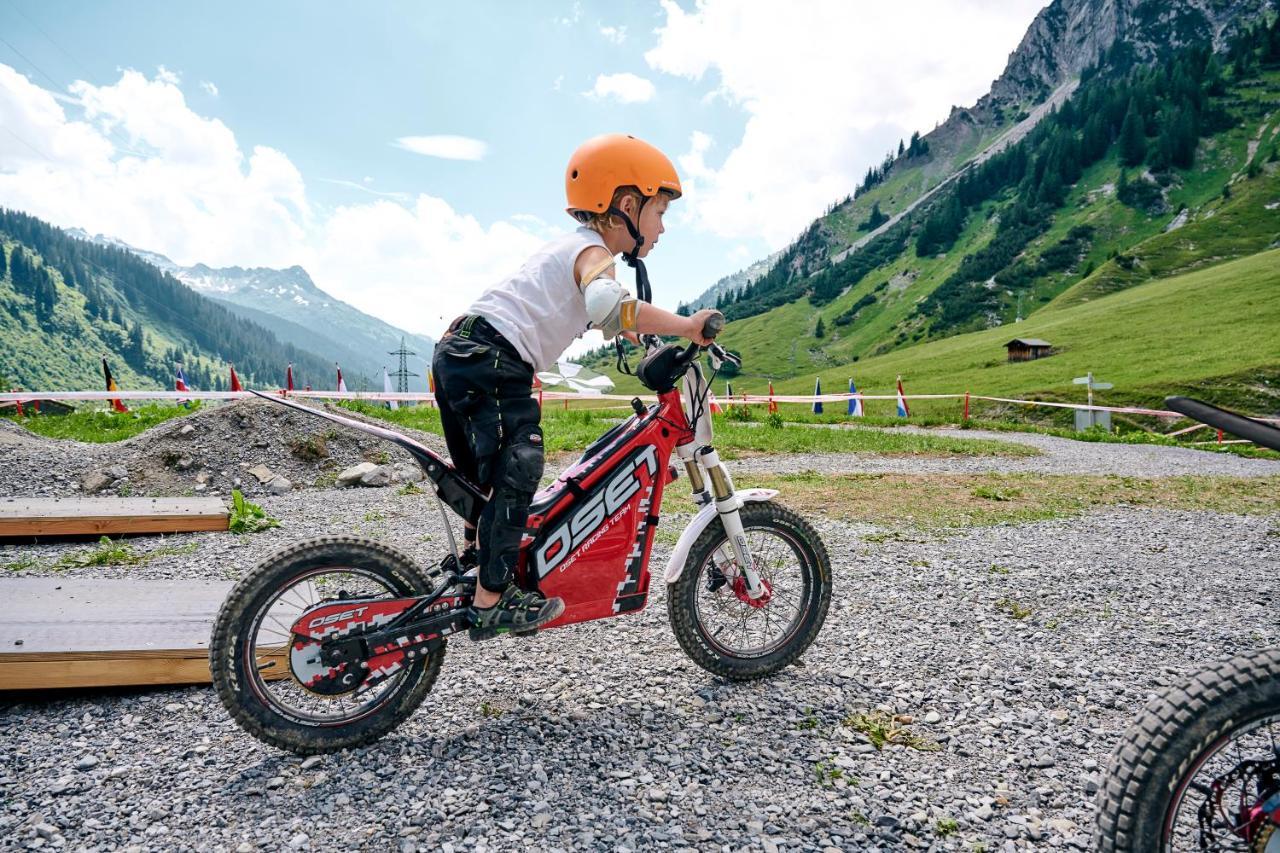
x=713, y=326
x=1255, y=431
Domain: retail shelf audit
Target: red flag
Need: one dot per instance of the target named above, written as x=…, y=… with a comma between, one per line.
x=288, y=376
x=342, y=385
x=904, y=411
x=111, y=386
x=235, y=380
x=773, y=404
x=537, y=383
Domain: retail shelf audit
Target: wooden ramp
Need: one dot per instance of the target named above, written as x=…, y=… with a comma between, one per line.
x=82, y=515
x=84, y=632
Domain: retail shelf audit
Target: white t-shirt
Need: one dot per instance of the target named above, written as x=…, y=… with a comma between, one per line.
x=540, y=309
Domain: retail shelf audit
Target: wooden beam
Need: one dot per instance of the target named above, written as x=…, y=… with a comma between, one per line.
x=89, y=632
x=83, y=515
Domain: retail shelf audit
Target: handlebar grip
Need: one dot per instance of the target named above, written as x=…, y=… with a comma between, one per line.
x=713, y=326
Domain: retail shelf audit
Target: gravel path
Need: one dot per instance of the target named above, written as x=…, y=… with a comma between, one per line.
x=1060, y=456
x=605, y=737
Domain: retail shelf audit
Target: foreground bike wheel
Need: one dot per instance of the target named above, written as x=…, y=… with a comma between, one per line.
x=1197, y=768
x=720, y=628
x=249, y=650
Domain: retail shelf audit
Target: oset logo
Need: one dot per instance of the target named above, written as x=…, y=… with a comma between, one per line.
x=601, y=504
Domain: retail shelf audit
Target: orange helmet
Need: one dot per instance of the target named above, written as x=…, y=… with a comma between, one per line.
x=603, y=164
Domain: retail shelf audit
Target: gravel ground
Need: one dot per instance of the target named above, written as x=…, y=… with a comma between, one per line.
x=1060, y=456
x=604, y=736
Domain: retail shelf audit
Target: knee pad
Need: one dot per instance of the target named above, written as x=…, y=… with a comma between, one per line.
x=521, y=463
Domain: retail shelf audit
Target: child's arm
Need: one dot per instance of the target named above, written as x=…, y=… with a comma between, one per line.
x=649, y=319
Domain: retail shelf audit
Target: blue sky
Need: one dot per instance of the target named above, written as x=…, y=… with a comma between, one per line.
x=274, y=133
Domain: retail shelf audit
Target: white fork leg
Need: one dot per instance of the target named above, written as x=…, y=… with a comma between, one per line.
x=727, y=505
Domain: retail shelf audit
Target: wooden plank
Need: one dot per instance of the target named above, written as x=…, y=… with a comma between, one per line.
x=113, y=669
x=88, y=632
x=96, y=516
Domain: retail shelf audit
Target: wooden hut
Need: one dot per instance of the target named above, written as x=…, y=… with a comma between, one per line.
x=1028, y=349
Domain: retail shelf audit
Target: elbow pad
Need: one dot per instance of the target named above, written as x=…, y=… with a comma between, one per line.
x=610, y=307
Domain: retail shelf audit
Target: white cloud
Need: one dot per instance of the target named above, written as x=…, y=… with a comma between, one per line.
x=626, y=88
x=417, y=266
x=446, y=147
x=617, y=35
x=183, y=185
x=209, y=87
x=827, y=87
x=575, y=15
x=164, y=75
x=194, y=195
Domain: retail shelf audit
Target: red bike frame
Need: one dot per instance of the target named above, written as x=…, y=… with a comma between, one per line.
x=592, y=529
x=590, y=533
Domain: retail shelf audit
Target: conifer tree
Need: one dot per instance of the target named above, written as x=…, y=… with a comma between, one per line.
x=1133, y=142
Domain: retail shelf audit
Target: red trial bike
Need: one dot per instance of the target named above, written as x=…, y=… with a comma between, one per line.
x=332, y=642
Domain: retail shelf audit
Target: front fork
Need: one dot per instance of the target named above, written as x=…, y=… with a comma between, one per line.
x=705, y=459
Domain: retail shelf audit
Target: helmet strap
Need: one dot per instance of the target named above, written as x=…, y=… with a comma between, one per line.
x=643, y=291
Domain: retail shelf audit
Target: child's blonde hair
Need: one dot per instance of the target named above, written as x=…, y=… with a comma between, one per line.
x=602, y=222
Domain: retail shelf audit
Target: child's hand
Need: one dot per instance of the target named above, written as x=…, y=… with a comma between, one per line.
x=696, y=324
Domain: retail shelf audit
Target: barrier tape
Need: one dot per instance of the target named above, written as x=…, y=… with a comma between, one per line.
x=408, y=397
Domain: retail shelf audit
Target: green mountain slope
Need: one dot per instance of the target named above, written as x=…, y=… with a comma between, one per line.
x=1143, y=173
x=1214, y=330
x=64, y=303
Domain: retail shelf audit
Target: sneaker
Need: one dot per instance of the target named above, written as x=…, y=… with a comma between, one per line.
x=517, y=612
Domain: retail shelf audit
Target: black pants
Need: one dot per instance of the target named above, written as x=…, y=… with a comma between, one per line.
x=491, y=425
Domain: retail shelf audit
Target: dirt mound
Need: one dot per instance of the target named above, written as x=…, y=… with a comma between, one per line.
x=209, y=452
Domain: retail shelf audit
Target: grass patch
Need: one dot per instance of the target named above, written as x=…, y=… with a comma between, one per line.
x=884, y=729
x=939, y=501
x=247, y=517
x=1013, y=608
x=574, y=429
x=410, y=489
x=102, y=427
x=828, y=774
x=946, y=827
x=735, y=436
x=108, y=553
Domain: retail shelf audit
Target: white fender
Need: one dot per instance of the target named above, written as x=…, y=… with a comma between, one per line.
x=680, y=553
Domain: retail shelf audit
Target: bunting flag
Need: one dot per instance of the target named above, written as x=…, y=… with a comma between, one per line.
x=386, y=388
x=855, y=403
x=773, y=404
x=537, y=384
x=180, y=384
x=817, y=392
x=288, y=377
x=903, y=410
x=715, y=407
x=342, y=384
x=728, y=395
x=235, y=380
x=111, y=386
x=431, y=386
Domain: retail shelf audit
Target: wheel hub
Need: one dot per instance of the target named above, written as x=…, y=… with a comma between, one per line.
x=744, y=595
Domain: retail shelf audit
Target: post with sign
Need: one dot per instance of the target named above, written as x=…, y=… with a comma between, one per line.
x=1091, y=417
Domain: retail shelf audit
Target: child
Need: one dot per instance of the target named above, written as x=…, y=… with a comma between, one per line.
x=618, y=188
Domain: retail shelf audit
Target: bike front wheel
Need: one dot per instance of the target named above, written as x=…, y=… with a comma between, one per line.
x=720, y=627
x=1200, y=767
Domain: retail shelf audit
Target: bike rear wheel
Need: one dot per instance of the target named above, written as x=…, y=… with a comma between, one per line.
x=720, y=628
x=1193, y=770
x=249, y=653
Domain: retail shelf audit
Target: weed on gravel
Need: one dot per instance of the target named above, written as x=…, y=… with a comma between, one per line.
x=885, y=729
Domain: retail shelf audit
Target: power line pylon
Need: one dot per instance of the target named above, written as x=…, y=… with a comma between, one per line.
x=402, y=375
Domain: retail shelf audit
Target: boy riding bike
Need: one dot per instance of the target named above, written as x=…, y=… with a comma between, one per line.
x=618, y=188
